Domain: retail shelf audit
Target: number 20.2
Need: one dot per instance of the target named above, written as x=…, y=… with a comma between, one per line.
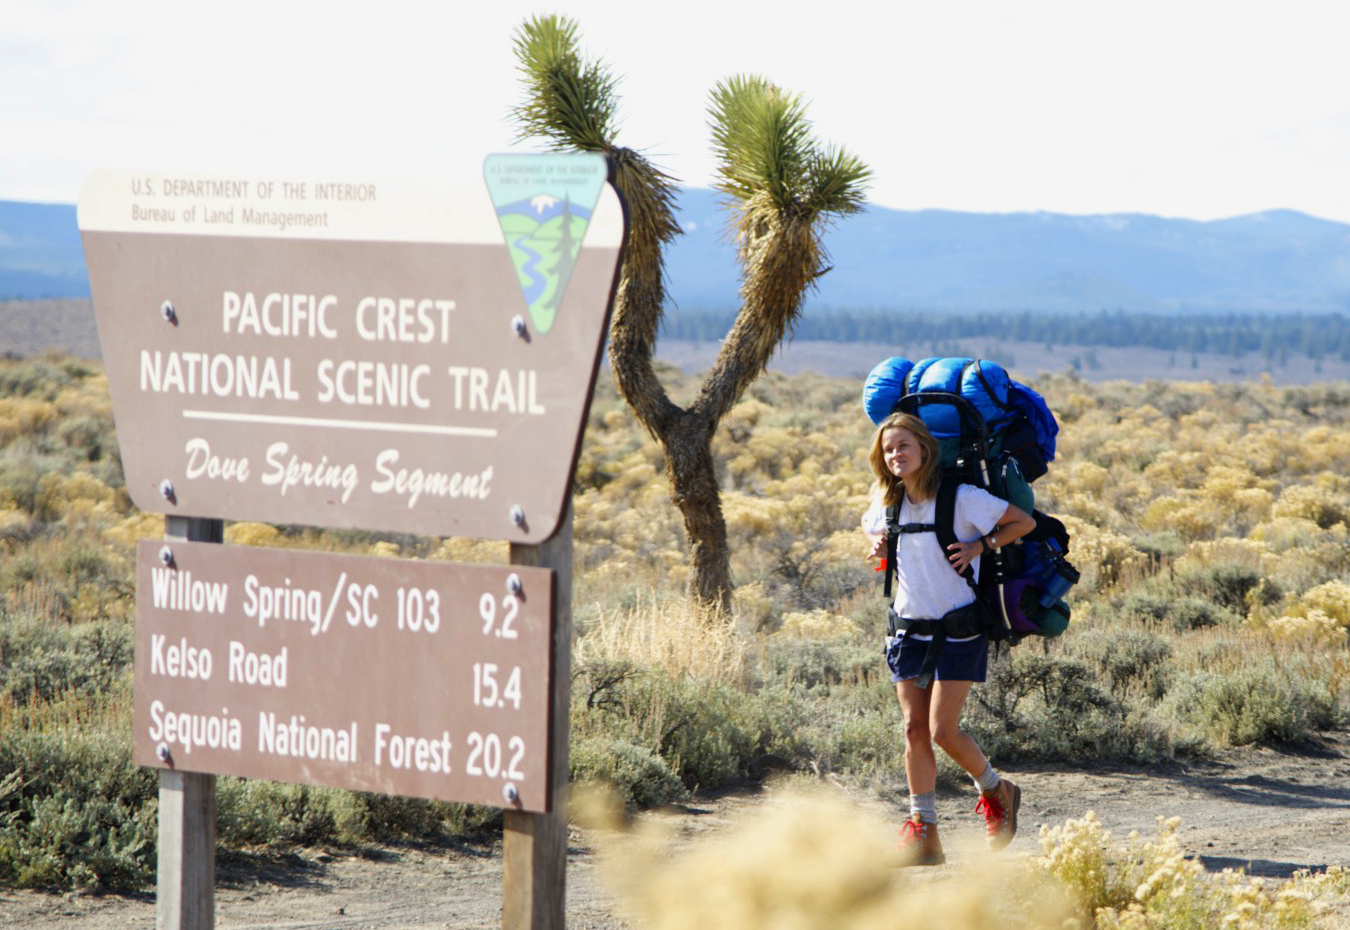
x=485, y=756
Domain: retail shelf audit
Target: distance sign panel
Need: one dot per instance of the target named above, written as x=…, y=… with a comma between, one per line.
x=425, y=679
x=373, y=354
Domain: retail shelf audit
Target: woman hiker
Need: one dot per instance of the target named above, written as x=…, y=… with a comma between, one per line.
x=904, y=458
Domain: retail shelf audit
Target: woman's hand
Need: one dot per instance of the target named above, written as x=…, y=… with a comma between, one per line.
x=963, y=553
x=878, y=548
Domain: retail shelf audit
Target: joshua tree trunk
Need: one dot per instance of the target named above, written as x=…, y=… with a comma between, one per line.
x=693, y=488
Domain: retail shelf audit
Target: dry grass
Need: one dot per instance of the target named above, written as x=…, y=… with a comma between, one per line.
x=665, y=631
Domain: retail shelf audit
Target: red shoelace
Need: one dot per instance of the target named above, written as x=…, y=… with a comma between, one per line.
x=913, y=831
x=994, y=816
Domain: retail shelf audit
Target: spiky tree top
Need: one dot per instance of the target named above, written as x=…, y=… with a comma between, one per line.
x=572, y=104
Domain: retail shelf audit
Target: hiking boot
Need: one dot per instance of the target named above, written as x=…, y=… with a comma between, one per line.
x=999, y=807
x=919, y=843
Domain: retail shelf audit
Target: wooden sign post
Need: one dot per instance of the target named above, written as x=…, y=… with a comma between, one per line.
x=534, y=846
x=374, y=355
x=185, y=880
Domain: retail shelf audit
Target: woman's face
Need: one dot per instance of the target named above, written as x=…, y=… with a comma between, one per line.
x=902, y=452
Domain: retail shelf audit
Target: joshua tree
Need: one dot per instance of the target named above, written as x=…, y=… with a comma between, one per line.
x=782, y=188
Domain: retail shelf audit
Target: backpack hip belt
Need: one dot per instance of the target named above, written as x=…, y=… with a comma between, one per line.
x=961, y=623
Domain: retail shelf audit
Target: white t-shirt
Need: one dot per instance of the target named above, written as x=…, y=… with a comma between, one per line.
x=927, y=585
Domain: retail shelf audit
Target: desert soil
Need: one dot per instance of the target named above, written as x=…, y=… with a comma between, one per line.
x=1265, y=810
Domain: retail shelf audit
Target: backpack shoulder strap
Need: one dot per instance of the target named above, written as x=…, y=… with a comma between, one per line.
x=945, y=516
x=893, y=530
x=892, y=539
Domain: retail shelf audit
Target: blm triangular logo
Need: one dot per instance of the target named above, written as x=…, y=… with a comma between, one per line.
x=544, y=204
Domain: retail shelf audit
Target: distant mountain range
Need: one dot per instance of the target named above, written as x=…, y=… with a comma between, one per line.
x=1268, y=262
x=40, y=252
x=1276, y=261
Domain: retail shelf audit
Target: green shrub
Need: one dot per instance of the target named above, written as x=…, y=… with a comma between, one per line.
x=74, y=812
x=90, y=439
x=823, y=664
x=41, y=378
x=1255, y=704
x=252, y=813
x=21, y=471
x=711, y=735
x=257, y=813
x=44, y=661
x=639, y=776
x=1230, y=586
x=1180, y=613
x=1047, y=705
x=1160, y=546
x=1133, y=662
x=869, y=745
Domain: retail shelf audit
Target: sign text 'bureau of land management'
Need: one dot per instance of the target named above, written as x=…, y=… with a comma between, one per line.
x=381, y=355
x=259, y=663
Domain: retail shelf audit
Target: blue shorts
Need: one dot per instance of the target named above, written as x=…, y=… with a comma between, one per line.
x=961, y=661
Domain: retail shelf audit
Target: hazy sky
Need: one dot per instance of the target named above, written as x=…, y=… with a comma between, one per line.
x=1180, y=108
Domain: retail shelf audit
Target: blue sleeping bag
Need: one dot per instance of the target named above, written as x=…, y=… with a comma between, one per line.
x=999, y=400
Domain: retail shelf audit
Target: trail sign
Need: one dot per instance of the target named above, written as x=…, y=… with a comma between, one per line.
x=425, y=679
x=372, y=354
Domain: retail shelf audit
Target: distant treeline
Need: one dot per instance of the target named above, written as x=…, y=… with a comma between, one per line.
x=1275, y=337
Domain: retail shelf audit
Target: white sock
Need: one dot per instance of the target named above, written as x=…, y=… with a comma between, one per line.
x=988, y=781
x=925, y=805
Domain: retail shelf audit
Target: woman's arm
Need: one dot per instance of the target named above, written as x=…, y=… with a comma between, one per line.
x=873, y=525
x=1012, y=526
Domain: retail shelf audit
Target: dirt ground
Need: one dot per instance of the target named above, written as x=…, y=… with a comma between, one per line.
x=1267, y=811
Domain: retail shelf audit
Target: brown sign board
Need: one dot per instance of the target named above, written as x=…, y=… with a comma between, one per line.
x=376, y=354
x=416, y=678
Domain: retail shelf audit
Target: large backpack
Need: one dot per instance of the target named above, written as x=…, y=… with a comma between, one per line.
x=998, y=435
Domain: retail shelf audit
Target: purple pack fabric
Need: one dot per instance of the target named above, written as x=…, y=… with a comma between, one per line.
x=1012, y=599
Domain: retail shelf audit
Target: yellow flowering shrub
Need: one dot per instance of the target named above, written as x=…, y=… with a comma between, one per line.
x=1314, y=626
x=1324, y=449
x=1331, y=598
x=1319, y=502
x=1154, y=885
x=1101, y=555
x=1185, y=512
x=12, y=518
x=23, y=415
x=252, y=534
x=133, y=527
x=816, y=624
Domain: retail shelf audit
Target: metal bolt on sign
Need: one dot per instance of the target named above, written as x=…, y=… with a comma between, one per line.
x=517, y=515
x=166, y=489
x=166, y=556
x=518, y=325
x=167, y=311
x=513, y=584
x=510, y=793
x=162, y=750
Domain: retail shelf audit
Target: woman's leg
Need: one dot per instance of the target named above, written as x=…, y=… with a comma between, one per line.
x=920, y=761
x=945, y=726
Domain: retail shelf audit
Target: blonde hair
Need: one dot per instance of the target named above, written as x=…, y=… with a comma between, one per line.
x=924, y=482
